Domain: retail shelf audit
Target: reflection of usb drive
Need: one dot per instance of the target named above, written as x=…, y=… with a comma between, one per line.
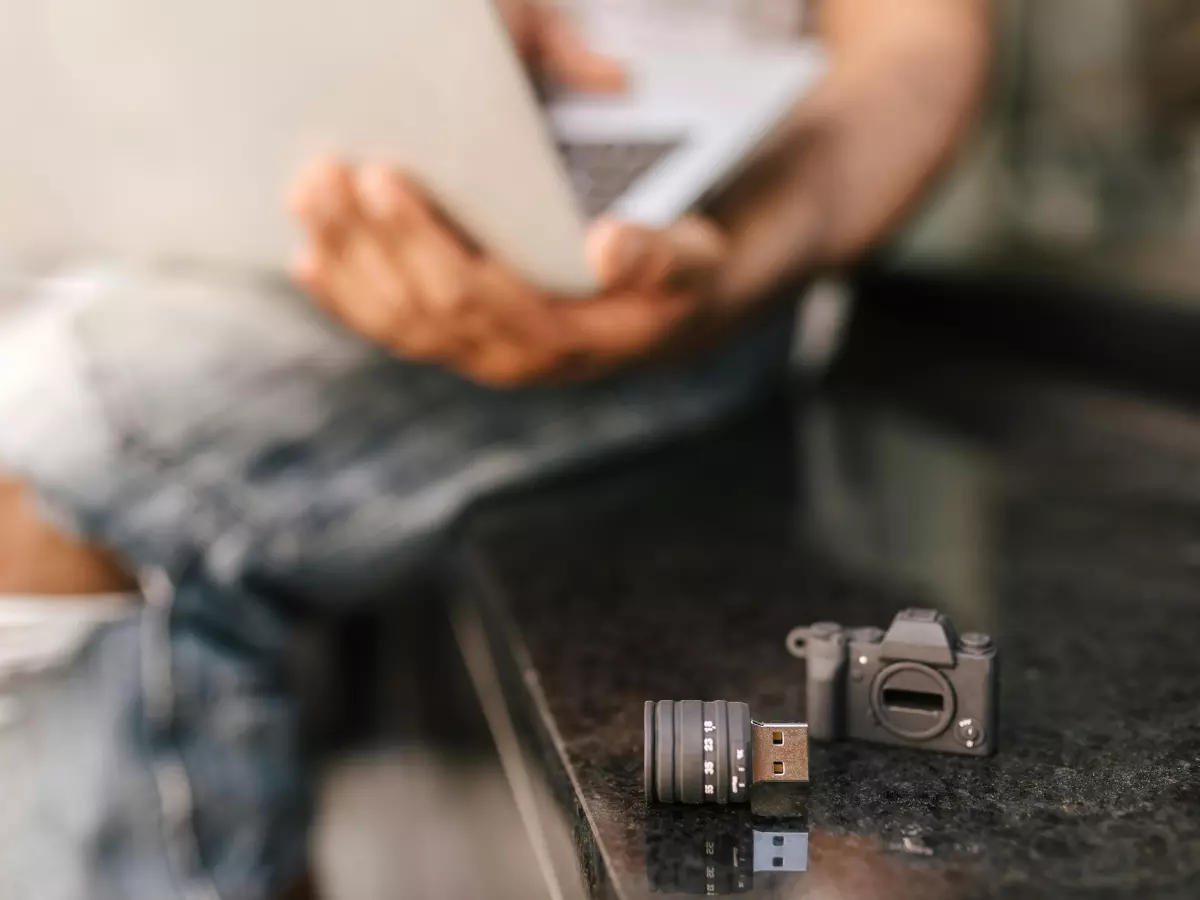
x=714, y=856
x=780, y=851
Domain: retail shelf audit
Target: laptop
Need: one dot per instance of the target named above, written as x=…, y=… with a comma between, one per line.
x=160, y=133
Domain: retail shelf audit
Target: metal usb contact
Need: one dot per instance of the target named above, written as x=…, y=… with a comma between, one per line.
x=779, y=751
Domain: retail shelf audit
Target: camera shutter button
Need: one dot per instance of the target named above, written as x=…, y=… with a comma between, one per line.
x=868, y=635
x=974, y=640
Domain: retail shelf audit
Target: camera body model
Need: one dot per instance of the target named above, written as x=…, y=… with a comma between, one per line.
x=918, y=685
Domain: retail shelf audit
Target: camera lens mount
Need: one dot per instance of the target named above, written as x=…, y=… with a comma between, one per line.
x=913, y=701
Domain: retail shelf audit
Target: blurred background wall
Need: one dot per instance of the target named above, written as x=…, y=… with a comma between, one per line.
x=1088, y=164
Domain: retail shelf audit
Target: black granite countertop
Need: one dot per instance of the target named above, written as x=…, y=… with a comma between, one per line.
x=1061, y=516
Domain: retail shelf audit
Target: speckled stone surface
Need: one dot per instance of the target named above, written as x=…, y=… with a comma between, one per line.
x=1061, y=517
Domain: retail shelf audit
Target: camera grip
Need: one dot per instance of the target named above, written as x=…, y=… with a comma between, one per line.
x=825, y=689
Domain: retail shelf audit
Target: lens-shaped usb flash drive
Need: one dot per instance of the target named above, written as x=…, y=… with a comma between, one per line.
x=712, y=752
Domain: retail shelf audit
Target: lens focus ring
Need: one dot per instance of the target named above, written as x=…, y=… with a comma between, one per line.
x=697, y=752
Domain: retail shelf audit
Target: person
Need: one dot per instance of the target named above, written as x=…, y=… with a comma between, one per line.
x=193, y=460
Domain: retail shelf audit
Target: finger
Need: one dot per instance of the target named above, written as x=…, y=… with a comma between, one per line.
x=399, y=310
x=511, y=308
x=322, y=198
x=677, y=258
x=436, y=267
x=630, y=256
x=307, y=273
x=417, y=238
x=357, y=279
x=560, y=52
x=372, y=298
x=504, y=365
x=356, y=296
x=392, y=200
x=511, y=337
x=616, y=328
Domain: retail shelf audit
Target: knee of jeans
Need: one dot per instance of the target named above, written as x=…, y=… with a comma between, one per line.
x=138, y=409
x=248, y=424
x=179, y=361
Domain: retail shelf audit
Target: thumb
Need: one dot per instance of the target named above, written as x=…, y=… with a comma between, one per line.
x=560, y=52
x=679, y=258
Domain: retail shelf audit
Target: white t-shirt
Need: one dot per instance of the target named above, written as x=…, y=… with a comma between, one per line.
x=630, y=25
x=39, y=635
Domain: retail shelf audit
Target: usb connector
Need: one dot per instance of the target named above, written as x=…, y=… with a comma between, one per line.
x=779, y=752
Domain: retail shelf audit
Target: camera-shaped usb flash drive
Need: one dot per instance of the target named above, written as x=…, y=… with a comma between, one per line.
x=919, y=685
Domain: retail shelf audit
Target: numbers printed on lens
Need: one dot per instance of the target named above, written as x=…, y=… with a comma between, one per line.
x=689, y=751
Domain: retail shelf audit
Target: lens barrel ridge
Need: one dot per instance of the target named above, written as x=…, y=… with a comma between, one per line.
x=697, y=751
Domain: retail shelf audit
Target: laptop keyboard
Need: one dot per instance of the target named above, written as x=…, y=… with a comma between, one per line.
x=601, y=173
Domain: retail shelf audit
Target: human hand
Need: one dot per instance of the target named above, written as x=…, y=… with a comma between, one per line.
x=383, y=261
x=554, y=50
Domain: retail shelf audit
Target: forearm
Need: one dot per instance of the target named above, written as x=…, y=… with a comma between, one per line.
x=904, y=83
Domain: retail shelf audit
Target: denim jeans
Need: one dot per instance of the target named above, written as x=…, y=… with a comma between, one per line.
x=236, y=447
